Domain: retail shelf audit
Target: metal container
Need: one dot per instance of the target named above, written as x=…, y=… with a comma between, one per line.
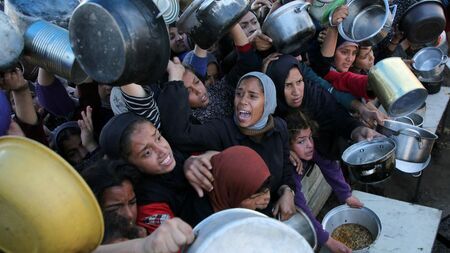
x=290, y=27
x=169, y=9
x=12, y=43
x=423, y=21
x=321, y=9
x=429, y=62
x=301, y=223
x=45, y=205
x=243, y=230
x=414, y=144
x=368, y=22
x=48, y=46
x=371, y=161
x=120, y=42
x=396, y=86
x=362, y=216
x=411, y=119
x=207, y=21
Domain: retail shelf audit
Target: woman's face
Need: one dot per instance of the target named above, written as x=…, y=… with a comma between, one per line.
x=249, y=23
x=198, y=97
x=257, y=201
x=344, y=57
x=249, y=102
x=212, y=74
x=73, y=149
x=121, y=200
x=303, y=145
x=294, y=88
x=365, y=58
x=149, y=151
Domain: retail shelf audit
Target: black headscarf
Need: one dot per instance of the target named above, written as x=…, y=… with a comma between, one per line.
x=278, y=71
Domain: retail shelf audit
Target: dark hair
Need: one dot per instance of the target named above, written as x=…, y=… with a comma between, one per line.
x=125, y=138
x=63, y=136
x=249, y=77
x=108, y=173
x=297, y=121
x=118, y=227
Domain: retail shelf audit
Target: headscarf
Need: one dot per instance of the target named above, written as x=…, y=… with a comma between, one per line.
x=341, y=42
x=112, y=133
x=270, y=98
x=239, y=173
x=278, y=70
x=5, y=113
x=57, y=131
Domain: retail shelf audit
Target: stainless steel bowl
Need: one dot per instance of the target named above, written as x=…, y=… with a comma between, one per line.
x=362, y=216
x=429, y=62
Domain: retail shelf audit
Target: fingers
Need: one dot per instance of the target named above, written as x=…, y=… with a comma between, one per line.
x=276, y=209
x=203, y=179
x=176, y=60
x=295, y=160
x=264, y=37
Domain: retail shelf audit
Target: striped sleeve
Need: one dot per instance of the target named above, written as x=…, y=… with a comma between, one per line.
x=143, y=106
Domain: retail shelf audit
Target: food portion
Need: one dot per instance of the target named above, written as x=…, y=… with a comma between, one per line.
x=353, y=236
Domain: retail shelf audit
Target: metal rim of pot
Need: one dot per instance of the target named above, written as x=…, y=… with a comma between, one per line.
x=376, y=36
x=431, y=72
x=310, y=225
x=409, y=29
x=293, y=35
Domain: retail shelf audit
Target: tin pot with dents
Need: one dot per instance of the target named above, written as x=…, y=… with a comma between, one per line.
x=243, y=230
x=368, y=22
x=207, y=21
x=396, y=86
x=290, y=27
x=115, y=41
x=371, y=161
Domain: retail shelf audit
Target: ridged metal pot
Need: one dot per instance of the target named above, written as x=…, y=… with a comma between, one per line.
x=48, y=46
x=396, y=86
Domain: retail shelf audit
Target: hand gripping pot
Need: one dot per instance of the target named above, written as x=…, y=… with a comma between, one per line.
x=45, y=205
x=120, y=42
x=242, y=230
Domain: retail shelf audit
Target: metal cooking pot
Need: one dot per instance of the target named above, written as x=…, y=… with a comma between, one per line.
x=290, y=27
x=48, y=46
x=429, y=62
x=301, y=223
x=371, y=161
x=423, y=21
x=368, y=22
x=12, y=43
x=321, y=9
x=414, y=144
x=398, y=89
x=362, y=216
x=207, y=21
x=243, y=230
x=45, y=205
x=411, y=119
x=120, y=42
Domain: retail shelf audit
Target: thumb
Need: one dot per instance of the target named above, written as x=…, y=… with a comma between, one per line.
x=176, y=60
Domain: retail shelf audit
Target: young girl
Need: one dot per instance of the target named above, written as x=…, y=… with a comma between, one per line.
x=301, y=130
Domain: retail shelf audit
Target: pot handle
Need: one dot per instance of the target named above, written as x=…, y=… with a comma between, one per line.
x=444, y=59
x=415, y=133
x=163, y=11
x=205, y=5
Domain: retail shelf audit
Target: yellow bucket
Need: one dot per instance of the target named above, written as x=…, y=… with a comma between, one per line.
x=45, y=206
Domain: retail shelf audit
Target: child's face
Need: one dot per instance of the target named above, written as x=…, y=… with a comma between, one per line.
x=303, y=144
x=365, y=58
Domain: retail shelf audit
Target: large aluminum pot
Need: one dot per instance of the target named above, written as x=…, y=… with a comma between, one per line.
x=290, y=27
x=321, y=9
x=301, y=223
x=423, y=21
x=371, y=161
x=368, y=22
x=12, y=43
x=26, y=12
x=120, y=42
x=414, y=144
x=45, y=205
x=243, y=230
x=48, y=46
x=429, y=62
x=362, y=216
x=207, y=21
x=396, y=86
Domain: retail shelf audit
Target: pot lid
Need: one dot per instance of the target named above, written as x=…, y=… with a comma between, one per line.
x=366, y=152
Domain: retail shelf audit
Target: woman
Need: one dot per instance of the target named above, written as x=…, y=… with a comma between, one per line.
x=252, y=126
x=243, y=180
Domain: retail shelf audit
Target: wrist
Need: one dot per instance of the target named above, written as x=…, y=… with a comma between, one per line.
x=21, y=88
x=285, y=189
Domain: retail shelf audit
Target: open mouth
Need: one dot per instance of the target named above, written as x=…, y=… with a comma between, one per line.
x=167, y=161
x=243, y=115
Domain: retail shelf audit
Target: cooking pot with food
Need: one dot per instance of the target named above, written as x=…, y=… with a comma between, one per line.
x=414, y=144
x=368, y=22
x=371, y=161
x=290, y=27
x=120, y=42
x=244, y=230
x=207, y=21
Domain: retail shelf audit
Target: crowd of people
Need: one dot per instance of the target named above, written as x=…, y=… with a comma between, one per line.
x=235, y=125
